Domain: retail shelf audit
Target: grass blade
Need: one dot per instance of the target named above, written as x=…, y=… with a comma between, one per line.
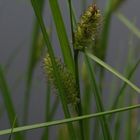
x=124, y=85
x=50, y=111
x=58, y=122
x=86, y=99
x=78, y=107
x=128, y=24
x=8, y=102
x=100, y=108
x=45, y=135
x=10, y=137
x=61, y=31
x=109, y=68
x=55, y=70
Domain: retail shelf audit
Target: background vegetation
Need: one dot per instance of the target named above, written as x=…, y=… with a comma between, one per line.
x=108, y=96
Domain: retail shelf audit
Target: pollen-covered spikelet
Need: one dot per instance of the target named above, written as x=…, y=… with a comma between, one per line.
x=88, y=28
x=67, y=79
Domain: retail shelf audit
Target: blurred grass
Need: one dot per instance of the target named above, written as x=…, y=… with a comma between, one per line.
x=62, y=35
x=128, y=24
x=6, y=95
x=10, y=137
x=58, y=122
x=116, y=73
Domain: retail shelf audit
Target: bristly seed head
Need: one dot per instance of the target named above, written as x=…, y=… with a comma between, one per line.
x=67, y=78
x=88, y=28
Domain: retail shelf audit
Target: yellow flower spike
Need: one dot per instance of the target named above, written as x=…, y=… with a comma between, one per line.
x=68, y=80
x=88, y=28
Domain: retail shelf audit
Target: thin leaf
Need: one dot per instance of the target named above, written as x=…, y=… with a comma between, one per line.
x=61, y=31
x=99, y=104
x=8, y=102
x=50, y=111
x=58, y=122
x=125, y=85
x=128, y=24
x=109, y=68
x=10, y=137
x=55, y=70
x=79, y=104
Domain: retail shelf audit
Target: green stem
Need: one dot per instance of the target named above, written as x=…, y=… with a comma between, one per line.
x=99, y=104
x=56, y=72
x=79, y=104
x=6, y=96
x=71, y=20
x=45, y=135
x=121, y=91
x=76, y=52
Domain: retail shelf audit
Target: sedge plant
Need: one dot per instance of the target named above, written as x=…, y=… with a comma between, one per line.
x=77, y=77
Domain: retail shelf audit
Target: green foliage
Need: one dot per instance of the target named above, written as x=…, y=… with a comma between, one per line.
x=6, y=95
x=88, y=28
x=77, y=93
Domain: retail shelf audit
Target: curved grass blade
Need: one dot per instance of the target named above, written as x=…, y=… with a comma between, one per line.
x=128, y=24
x=55, y=70
x=97, y=94
x=109, y=68
x=58, y=122
x=8, y=102
x=61, y=31
x=124, y=85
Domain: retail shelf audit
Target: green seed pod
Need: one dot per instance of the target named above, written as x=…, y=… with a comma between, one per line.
x=88, y=28
x=68, y=80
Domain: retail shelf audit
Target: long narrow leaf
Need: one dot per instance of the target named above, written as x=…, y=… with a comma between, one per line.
x=124, y=85
x=8, y=102
x=99, y=104
x=128, y=24
x=109, y=68
x=10, y=137
x=56, y=72
x=58, y=122
x=61, y=31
